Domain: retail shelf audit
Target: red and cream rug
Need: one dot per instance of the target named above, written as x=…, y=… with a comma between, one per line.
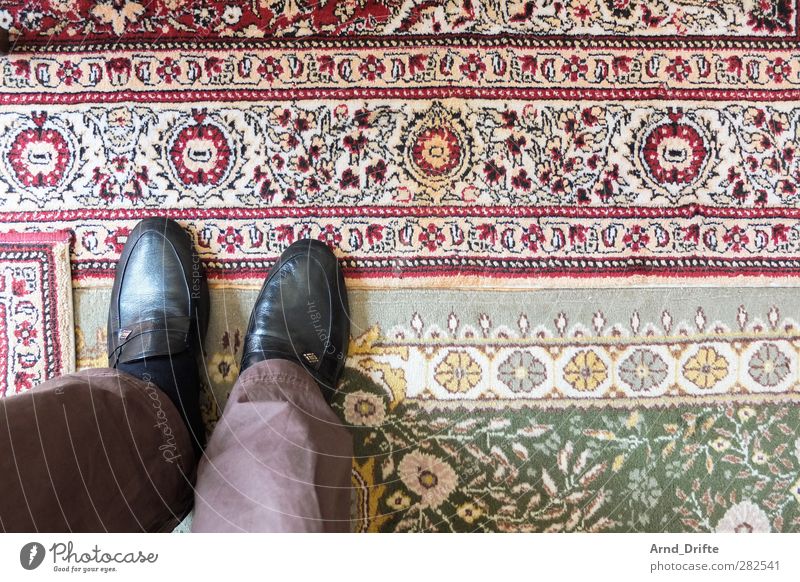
x=36, y=322
x=572, y=227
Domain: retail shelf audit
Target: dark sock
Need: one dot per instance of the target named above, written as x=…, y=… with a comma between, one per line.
x=178, y=377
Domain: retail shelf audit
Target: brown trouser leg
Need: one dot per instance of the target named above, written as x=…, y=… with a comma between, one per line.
x=95, y=451
x=278, y=460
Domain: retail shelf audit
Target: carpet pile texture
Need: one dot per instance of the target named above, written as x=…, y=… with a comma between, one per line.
x=36, y=318
x=571, y=230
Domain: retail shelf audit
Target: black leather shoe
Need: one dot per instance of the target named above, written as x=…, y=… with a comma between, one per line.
x=159, y=303
x=302, y=315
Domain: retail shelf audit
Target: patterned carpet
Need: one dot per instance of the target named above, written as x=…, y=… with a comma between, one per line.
x=571, y=230
x=36, y=319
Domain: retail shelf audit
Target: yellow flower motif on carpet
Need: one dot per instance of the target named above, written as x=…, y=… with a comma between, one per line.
x=428, y=476
x=223, y=368
x=746, y=413
x=398, y=501
x=458, y=372
x=706, y=368
x=720, y=444
x=469, y=512
x=585, y=371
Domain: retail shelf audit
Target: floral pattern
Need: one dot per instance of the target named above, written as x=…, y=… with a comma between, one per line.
x=769, y=366
x=643, y=370
x=567, y=362
x=364, y=409
x=744, y=517
x=585, y=371
x=644, y=490
x=427, y=459
x=503, y=150
x=118, y=14
x=483, y=70
x=436, y=151
x=522, y=372
x=398, y=501
x=548, y=187
x=458, y=372
x=600, y=470
x=470, y=512
x=706, y=368
x=192, y=19
x=429, y=477
x=35, y=310
x=419, y=155
x=376, y=245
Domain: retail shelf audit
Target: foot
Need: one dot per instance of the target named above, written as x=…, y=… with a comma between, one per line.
x=159, y=303
x=302, y=315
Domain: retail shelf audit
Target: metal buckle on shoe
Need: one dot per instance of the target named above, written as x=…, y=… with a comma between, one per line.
x=311, y=358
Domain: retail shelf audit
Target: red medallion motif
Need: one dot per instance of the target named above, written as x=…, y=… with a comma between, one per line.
x=436, y=151
x=39, y=157
x=674, y=153
x=201, y=155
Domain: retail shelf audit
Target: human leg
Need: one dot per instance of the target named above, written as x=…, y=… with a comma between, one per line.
x=279, y=460
x=98, y=450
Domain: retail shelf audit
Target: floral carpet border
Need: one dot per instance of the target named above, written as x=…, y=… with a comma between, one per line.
x=406, y=245
x=36, y=320
x=97, y=21
x=388, y=68
x=549, y=94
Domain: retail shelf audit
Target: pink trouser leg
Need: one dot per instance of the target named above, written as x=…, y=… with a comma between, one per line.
x=279, y=459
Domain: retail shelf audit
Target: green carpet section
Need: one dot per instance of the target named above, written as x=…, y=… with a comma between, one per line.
x=648, y=409
x=708, y=468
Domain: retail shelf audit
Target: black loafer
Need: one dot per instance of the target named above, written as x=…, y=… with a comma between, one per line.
x=159, y=303
x=302, y=315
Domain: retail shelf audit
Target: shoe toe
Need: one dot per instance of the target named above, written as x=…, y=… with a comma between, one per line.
x=153, y=282
x=303, y=312
x=159, y=298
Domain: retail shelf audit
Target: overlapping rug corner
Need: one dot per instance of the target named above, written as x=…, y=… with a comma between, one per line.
x=36, y=314
x=467, y=152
